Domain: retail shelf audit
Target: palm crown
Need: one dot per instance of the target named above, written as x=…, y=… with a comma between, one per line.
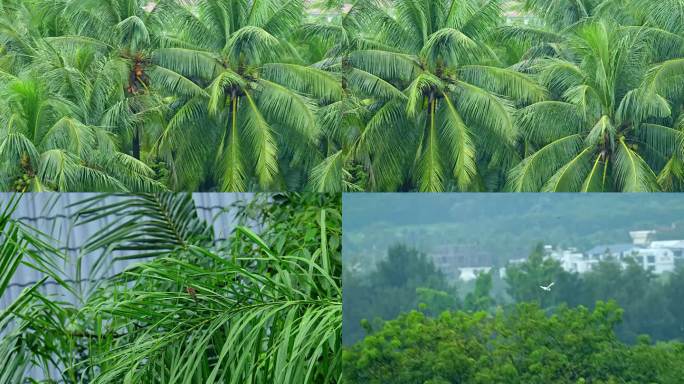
x=602, y=125
x=437, y=95
x=63, y=107
x=374, y=95
x=245, y=88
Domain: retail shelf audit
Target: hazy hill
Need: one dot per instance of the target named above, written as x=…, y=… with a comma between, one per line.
x=504, y=225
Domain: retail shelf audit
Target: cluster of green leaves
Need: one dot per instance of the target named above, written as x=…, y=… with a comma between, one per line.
x=132, y=95
x=404, y=281
x=377, y=95
x=523, y=345
x=585, y=96
x=262, y=308
x=18, y=247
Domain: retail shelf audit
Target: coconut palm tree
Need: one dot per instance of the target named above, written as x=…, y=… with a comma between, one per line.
x=603, y=131
x=441, y=106
x=121, y=35
x=49, y=130
x=665, y=77
x=253, y=120
x=45, y=146
x=340, y=120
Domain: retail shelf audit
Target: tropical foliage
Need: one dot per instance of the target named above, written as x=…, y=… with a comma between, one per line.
x=406, y=323
x=135, y=96
x=524, y=345
x=259, y=308
x=408, y=280
x=379, y=95
x=562, y=96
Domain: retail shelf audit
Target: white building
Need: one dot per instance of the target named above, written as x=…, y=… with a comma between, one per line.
x=470, y=273
x=676, y=246
x=657, y=256
x=658, y=260
x=573, y=261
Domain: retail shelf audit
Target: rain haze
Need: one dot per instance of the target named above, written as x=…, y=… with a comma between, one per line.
x=433, y=282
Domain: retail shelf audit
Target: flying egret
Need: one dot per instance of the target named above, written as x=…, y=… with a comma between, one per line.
x=547, y=288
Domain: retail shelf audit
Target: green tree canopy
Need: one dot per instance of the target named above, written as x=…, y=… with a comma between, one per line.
x=331, y=96
x=402, y=282
x=523, y=345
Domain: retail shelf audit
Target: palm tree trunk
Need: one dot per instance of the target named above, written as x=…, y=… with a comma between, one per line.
x=430, y=121
x=234, y=116
x=136, y=143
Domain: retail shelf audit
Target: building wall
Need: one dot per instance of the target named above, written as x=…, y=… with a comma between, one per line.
x=52, y=214
x=658, y=260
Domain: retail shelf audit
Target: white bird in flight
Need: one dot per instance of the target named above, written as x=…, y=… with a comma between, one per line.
x=547, y=288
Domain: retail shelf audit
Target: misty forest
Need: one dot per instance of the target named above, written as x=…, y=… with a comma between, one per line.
x=405, y=322
x=513, y=288
x=333, y=95
x=493, y=228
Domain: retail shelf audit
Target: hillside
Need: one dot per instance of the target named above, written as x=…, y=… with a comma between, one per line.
x=502, y=226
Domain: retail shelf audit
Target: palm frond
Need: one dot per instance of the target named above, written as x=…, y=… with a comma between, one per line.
x=387, y=65
x=329, y=176
x=631, y=171
x=155, y=224
x=450, y=45
x=262, y=143
x=458, y=141
x=311, y=81
x=484, y=110
x=364, y=83
x=502, y=81
x=288, y=108
x=546, y=121
x=534, y=171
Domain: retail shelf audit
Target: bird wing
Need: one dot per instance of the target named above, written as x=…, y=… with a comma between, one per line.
x=551, y=285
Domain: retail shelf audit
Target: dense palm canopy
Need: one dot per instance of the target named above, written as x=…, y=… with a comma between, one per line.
x=576, y=96
x=126, y=95
x=61, y=108
x=259, y=308
x=604, y=131
x=443, y=105
x=380, y=95
x=251, y=106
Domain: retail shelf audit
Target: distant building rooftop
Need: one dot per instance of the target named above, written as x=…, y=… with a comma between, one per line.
x=610, y=248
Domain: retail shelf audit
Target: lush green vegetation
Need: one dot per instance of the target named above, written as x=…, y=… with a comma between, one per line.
x=263, y=308
x=523, y=345
x=204, y=95
x=376, y=95
x=597, y=327
x=502, y=226
x=586, y=97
